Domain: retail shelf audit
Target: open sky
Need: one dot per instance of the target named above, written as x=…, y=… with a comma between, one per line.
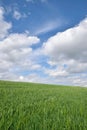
x=44, y=41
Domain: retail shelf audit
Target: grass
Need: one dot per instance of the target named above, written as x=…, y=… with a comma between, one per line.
x=28, y=106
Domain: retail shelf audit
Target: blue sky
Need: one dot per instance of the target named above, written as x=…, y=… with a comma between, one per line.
x=44, y=41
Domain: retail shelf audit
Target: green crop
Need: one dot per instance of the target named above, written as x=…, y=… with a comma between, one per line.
x=29, y=106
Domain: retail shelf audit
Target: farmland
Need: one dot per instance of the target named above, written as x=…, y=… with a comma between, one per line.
x=30, y=106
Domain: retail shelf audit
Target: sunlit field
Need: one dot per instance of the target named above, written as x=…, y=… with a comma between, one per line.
x=29, y=106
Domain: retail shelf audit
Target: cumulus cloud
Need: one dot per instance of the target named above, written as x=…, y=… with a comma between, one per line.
x=15, y=49
x=15, y=52
x=69, y=43
x=16, y=40
x=4, y=26
x=61, y=60
x=35, y=78
x=69, y=47
x=58, y=71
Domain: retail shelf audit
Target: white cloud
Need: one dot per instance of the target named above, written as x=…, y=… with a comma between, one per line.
x=35, y=78
x=68, y=45
x=1, y=13
x=48, y=26
x=18, y=40
x=59, y=71
x=17, y=15
x=15, y=53
x=66, y=54
x=4, y=26
x=68, y=49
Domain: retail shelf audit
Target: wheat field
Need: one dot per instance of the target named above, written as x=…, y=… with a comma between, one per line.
x=30, y=106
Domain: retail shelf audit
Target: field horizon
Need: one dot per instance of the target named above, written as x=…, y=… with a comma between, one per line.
x=59, y=85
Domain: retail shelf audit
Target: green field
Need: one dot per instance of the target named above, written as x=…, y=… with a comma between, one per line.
x=28, y=106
